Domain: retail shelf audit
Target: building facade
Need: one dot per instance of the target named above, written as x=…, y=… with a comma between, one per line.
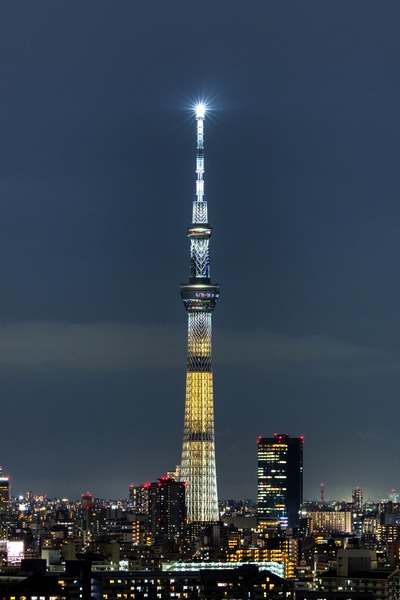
x=280, y=481
x=139, y=498
x=167, y=511
x=4, y=493
x=329, y=521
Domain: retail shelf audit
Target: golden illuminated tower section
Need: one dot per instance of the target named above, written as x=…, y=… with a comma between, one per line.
x=199, y=297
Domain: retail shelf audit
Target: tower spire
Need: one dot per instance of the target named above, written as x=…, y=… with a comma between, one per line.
x=200, y=114
x=199, y=297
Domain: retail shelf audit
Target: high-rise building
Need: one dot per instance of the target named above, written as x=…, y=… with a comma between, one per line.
x=4, y=493
x=394, y=496
x=87, y=507
x=357, y=498
x=87, y=501
x=280, y=481
x=199, y=297
x=167, y=511
x=329, y=521
x=139, y=498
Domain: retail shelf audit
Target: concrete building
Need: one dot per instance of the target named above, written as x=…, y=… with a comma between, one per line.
x=356, y=572
x=167, y=511
x=329, y=521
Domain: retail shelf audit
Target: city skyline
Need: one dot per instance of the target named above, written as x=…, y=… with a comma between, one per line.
x=96, y=172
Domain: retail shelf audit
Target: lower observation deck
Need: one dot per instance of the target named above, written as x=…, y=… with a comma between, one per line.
x=199, y=296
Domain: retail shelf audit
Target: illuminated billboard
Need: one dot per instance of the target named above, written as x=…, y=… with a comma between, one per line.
x=15, y=552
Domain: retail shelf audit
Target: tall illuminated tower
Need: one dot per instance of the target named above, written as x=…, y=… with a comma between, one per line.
x=199, y=297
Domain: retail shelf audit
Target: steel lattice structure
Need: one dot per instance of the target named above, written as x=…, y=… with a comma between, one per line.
x=199, y=297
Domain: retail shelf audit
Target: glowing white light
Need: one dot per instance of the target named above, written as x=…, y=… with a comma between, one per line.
x=15, y=552
x=200, y=111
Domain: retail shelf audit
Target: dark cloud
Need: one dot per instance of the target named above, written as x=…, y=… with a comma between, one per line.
x=116, y=346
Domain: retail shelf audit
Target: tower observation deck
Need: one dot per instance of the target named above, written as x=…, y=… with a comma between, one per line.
x=199, y=298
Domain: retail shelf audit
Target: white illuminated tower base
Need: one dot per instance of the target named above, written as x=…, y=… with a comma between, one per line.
x=199, y=297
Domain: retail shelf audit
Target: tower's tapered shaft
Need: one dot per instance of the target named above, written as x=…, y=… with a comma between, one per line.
x=199, y=297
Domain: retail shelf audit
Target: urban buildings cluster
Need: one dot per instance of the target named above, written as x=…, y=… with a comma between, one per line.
x=144, y=547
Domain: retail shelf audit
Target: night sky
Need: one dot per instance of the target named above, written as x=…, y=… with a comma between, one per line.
x=97, y=177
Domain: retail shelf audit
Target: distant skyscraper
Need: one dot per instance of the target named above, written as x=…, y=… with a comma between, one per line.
x=199, y=297
x=87, y=504
x=357, y=498
x=167, y=511
x=139, y=498
x=280, y=481
x=394, y=496
x=4, y=493
x=87, y=501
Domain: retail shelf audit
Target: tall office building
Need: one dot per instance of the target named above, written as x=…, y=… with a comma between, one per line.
x=167, y=512
x=280, y=481
x=357, y=497
x=4, y=493
x=199, y=297
x=87, y=501
x=139, y=498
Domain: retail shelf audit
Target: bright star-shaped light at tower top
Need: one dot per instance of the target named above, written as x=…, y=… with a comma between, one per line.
x=200, y=110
